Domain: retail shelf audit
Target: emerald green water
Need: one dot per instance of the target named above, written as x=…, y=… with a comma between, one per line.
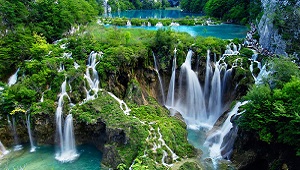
x=43, y=159
x=153, y=14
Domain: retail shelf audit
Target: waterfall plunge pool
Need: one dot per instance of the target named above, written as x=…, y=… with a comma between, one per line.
x=44, y=158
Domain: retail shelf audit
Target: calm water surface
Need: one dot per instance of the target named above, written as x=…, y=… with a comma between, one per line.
x=153, y=14
x=43, y=158
x=224, y=31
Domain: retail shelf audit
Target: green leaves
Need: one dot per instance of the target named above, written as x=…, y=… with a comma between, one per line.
x=274, y=114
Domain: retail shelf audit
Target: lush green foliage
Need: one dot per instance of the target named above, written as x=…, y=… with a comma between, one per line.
x=137, y=4
x=273, y=113
x=230, y=10
x=24, y=24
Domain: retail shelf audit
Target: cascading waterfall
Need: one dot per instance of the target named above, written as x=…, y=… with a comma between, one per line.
x=170, y=97
x=32, y=149
x=160, y=80
x=67, y=151
x=13, y=78
x=219, y=147
x=3, y=150
x=190, y=102
x=93, y=80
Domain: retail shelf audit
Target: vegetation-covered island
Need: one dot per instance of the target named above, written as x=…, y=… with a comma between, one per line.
x=80, y=89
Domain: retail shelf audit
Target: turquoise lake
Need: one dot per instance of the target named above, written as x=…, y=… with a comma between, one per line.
x=224, y=31
x=44, y=158
x=153, y=14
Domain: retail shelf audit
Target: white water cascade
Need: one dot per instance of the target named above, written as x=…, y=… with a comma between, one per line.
x=12, y=126
x=171, y=91
x=190, y=102
x=126, y=111
x=93, y=80
x=13, y=78
x=66, y=140
x=218, y=146
x=3, y=150
x=32, y=147
x=160, y=80
x=198, y=108
x=68, y=152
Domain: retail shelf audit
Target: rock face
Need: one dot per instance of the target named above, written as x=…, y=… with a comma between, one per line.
x=251, y=153
x=279, y=26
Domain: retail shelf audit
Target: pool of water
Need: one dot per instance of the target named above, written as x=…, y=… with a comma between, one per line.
x=44, y=158
x=223, y=31
x=153, y=14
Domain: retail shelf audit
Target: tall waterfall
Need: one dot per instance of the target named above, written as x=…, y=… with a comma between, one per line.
x=160, y=80
x=198, y=108
x=3, y=150
x=66, y=141
x=190, y=101
x=13, y=78
x=170, y=97
x=32, y=149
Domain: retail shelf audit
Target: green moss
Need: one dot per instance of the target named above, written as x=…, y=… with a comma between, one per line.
x=190, y=166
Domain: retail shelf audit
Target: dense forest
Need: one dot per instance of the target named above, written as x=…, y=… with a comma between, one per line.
x=232, y=11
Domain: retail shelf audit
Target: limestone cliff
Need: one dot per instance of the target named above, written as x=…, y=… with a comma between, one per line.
x=279, y=26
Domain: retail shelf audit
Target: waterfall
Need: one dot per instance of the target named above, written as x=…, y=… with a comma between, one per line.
x=14, y=131
x=3, y=150
x=32, y=149
x=126, y=111
x=160, y=80
x=208, y=72
x=13, y=78
x=219, y=147
x=128, y=24
x=92, y=80
x=66, y=141
x=68, y=152
x=170, y=97
x=190, y=103
x=215, y=97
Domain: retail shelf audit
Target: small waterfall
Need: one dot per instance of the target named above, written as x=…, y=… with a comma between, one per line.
x=219, y=147
x=171, y=91
x=68, y=152
x=160, y=80
x=128, y=24
x=126, y=111
x=13, y=78
x=3, y=150
x=32, y=149
x=159, y=24
x=93, y=80
x=76, y=65
x=14, y=131
x=61, y=67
